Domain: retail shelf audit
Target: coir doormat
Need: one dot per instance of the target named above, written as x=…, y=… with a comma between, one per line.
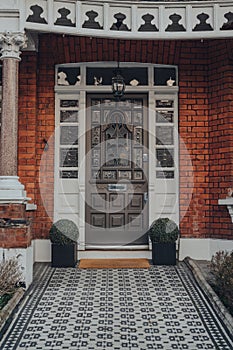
x=114, y=264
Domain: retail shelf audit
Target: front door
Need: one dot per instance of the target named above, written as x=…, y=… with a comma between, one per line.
x=116, y=171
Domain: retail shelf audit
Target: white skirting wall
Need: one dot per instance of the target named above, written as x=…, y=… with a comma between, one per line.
x=200, y=249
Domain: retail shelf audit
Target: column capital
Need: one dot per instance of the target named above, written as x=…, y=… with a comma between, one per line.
x=10, y=43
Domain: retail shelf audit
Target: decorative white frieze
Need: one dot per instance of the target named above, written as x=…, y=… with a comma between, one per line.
x=131, y=19
x=11, y=43
x=121, y=19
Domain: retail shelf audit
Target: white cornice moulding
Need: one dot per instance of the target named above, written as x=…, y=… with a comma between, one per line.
x=229, y=203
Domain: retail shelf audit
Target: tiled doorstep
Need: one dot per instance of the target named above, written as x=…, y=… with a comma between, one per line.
x=159, y=308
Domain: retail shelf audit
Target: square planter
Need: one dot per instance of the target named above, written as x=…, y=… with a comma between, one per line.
x=164, y=253
x=64, y=255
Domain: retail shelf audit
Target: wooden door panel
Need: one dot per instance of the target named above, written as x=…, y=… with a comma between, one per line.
x=98, y=220
x=136, y=202
x=135, y=222
x=117, y=171
x=98, y=201
x=116, y=220
x=116, y=201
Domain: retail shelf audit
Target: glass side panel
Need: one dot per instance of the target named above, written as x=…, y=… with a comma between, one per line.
x=69, y=135
x=69, y=103
x=165, y=157
x=69, y=157
x=164, y=135
x=165, y=76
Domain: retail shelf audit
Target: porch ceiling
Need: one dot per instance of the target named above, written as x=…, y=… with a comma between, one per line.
x=136, y=19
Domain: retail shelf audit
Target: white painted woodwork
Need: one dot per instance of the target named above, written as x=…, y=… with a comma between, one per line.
x=69, y=194
x=14, y=15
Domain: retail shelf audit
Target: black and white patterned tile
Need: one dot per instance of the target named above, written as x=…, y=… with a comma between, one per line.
x=159, y=308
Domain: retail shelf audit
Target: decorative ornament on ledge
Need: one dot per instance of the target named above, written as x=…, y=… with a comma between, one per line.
x=134, y=82
x=228, y=201
x=170, y=82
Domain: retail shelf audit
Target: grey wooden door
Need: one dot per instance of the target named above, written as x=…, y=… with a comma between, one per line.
x=116, y=171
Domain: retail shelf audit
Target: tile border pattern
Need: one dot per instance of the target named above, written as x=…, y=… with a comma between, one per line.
x=159, y=308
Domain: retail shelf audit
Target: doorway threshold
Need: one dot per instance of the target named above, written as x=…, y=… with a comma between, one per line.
x=118, y=247
x=113, y=254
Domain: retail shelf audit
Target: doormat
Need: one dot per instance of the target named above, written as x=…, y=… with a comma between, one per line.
x=114, y=264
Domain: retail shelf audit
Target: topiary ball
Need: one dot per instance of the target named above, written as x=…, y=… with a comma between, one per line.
x=164, y=230
x=64, y=232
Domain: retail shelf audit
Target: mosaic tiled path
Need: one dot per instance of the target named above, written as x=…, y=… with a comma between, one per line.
x=159, y=308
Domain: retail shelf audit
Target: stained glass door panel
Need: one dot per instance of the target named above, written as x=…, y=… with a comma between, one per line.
x=116, y=171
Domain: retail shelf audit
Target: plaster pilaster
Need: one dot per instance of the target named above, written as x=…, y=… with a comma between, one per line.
x=11, y=190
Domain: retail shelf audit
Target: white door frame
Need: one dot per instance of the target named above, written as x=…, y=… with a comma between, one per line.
x=69, y=194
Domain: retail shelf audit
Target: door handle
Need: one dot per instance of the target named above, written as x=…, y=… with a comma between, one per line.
x=145, y=197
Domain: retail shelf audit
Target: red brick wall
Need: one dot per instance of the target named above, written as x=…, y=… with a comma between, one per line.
x=193, y=129
x=199, y=111
x=221, y=134
x=15, y=236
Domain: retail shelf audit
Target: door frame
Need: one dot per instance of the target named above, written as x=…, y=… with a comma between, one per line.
x=167, y=193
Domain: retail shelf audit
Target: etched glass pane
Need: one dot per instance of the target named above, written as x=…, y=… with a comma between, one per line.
x=138, y=175
x=164, y=103
x=95, y=174
x=125, y=174
x=167, y=174
x=95, y=136
x=137, y=118
x=117, y=152
x=137, y=104
x=69, y=116
x=164, y=158
x=110, y=174
x=138, y=157
x=96, y=117
x=69, y=174
x=96, y=157
x=69, y=135
x=164, y=135
x=69, y=103
x=138, y=135
x=164, y=116
x=69, y=157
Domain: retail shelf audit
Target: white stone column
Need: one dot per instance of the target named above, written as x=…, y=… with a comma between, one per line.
x=11, y=190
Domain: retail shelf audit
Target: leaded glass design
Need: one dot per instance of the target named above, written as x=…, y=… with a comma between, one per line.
x=116, y=138
x=164, y=144
x=68, y=155
x=69, y=135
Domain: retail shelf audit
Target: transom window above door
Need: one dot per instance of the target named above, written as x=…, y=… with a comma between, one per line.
x=134, y=75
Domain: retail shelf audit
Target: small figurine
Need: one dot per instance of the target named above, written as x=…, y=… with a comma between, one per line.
x=230, y=192
x=134, y=82
x=98, y=81
x=78, y=80
x=170, y=82
x=62, y=79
